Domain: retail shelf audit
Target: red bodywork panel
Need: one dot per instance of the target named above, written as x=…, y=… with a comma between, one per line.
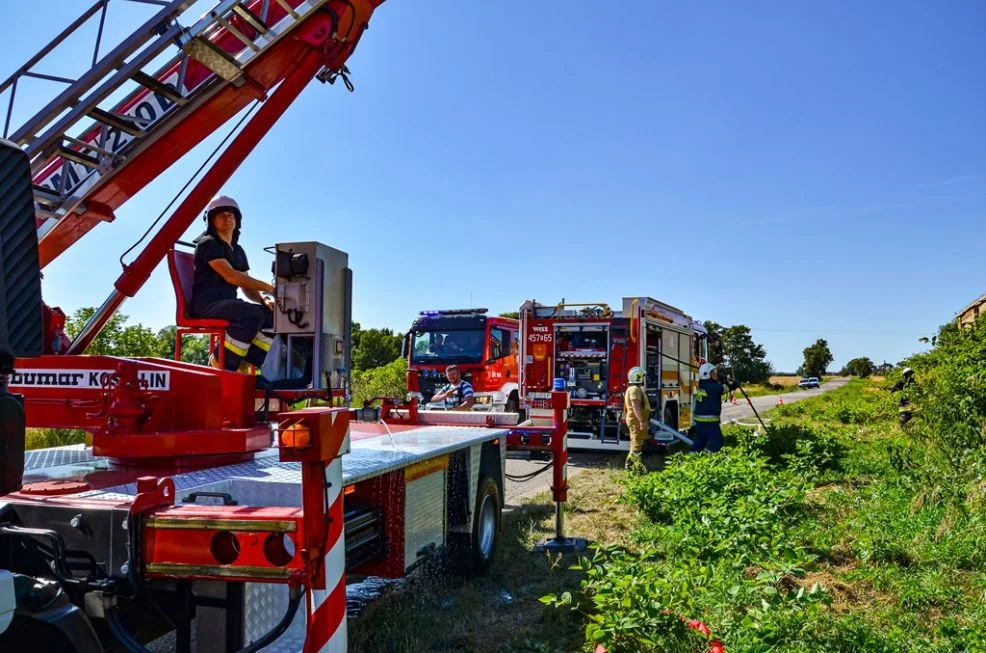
x=176, y=410
x=540, y=350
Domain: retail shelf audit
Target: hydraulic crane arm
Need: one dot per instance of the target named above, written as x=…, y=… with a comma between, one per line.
x=91, y=151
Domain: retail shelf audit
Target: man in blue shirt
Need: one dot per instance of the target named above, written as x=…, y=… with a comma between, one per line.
x=457, y=393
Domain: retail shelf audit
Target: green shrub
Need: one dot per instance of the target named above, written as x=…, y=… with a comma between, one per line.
x=385, y=381
x=802, y=448
x=731, y=502
x=45, y=438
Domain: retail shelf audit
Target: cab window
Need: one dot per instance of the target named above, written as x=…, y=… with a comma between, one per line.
x=501, y=343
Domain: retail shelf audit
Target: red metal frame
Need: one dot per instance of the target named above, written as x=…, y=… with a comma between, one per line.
x=200, y=412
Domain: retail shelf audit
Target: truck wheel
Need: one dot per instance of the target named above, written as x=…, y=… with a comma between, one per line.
x=473, y=554
x=513, y=404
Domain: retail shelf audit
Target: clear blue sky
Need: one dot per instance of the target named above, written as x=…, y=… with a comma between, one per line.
x=810, y=170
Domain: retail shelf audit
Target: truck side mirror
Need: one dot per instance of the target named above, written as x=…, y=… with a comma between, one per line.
x=406, y=345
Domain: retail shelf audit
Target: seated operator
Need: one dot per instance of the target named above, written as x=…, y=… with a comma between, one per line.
x=220, y=268
x=457, y=393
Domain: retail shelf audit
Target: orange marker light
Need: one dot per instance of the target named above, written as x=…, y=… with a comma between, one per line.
x=296, y=436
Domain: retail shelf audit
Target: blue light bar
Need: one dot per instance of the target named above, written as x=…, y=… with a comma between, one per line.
x=457, y=311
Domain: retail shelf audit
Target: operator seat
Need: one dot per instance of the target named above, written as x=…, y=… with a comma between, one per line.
x=181, y=265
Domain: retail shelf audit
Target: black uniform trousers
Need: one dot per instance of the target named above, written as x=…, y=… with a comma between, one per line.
x=245, y=339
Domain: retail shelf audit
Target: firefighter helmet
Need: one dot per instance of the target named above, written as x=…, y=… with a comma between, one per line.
x=223, y=202
x=705, y=372
x=636, y=375
x=908, y=371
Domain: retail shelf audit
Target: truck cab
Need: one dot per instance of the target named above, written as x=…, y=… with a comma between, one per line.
x=483, y=347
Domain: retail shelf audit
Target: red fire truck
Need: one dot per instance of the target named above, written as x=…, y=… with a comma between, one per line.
x=207, y=509
x=592, y=347
x=482, y=346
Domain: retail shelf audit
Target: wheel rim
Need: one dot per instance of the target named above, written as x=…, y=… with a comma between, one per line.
x=487, y=527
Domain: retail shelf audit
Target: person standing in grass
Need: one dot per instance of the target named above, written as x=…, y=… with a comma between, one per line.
x=905, y=387
x=636, y=414
x=708, y=408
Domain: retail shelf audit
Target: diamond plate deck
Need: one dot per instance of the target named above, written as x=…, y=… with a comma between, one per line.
x=370, y=455
x=56, y=456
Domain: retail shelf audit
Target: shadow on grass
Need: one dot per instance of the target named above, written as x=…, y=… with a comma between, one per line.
x=500, y=611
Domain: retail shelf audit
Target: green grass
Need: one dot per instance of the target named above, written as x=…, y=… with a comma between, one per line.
x=836, y=532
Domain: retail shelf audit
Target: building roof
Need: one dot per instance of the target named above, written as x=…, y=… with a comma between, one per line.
x=973, y=304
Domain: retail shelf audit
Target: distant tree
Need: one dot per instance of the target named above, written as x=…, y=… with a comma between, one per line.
x=385, y=381
x=861, y=367
x=194, y=349
x=817, y=358
x=734, y=347
x=747, y=359
x=116, y=339
x=514, y=314
x=374, y=347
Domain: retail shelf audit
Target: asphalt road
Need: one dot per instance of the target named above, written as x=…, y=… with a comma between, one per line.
x=519, y=464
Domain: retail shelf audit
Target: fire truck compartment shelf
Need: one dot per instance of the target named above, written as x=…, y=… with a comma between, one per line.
x=368, y=457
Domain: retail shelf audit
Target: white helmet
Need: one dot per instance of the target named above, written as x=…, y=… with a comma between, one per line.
x=636, y=375
x=223, y=202
x=705, y=372
x=908, y=371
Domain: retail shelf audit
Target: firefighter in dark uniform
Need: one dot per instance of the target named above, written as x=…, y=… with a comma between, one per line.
x=220, y=268
x=905, y=387
x=708, y=408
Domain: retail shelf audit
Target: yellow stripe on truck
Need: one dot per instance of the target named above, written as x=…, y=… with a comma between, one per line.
x=424, y=468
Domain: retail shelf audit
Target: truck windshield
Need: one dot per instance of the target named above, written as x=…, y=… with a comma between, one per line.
x=431, y=347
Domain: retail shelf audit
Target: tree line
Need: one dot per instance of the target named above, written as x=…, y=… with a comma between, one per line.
x=372, y=348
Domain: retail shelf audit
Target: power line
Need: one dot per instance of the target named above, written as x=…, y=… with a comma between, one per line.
x=903, y=332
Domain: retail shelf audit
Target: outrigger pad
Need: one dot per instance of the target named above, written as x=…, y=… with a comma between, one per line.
x=21, y=318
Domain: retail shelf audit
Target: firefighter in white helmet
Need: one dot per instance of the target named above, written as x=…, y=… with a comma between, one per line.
x=708, y=408
x=220, y=268
x=636, y=411
x=905, y=386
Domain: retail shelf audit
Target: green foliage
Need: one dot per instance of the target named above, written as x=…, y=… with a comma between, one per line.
x=886, y=554
x=194, y=348
x=374, y=347
x=734, y=346
x=950, y=395
x=737, y=504
x=861, y=367
x=116, y=339
x=511, y=314
x=817, y=358
x=45, y=438
x=385, y=381
x=807, y=450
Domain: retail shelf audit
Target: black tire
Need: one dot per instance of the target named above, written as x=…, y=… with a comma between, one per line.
x=475, y=556
x=670, y=418
x=513, y=403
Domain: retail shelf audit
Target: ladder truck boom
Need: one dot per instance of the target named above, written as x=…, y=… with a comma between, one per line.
x=91, y=151
x=209, y=508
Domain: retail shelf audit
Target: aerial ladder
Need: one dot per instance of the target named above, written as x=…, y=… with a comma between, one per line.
x=148, y=101
x=101, y=138
x=106, y=134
